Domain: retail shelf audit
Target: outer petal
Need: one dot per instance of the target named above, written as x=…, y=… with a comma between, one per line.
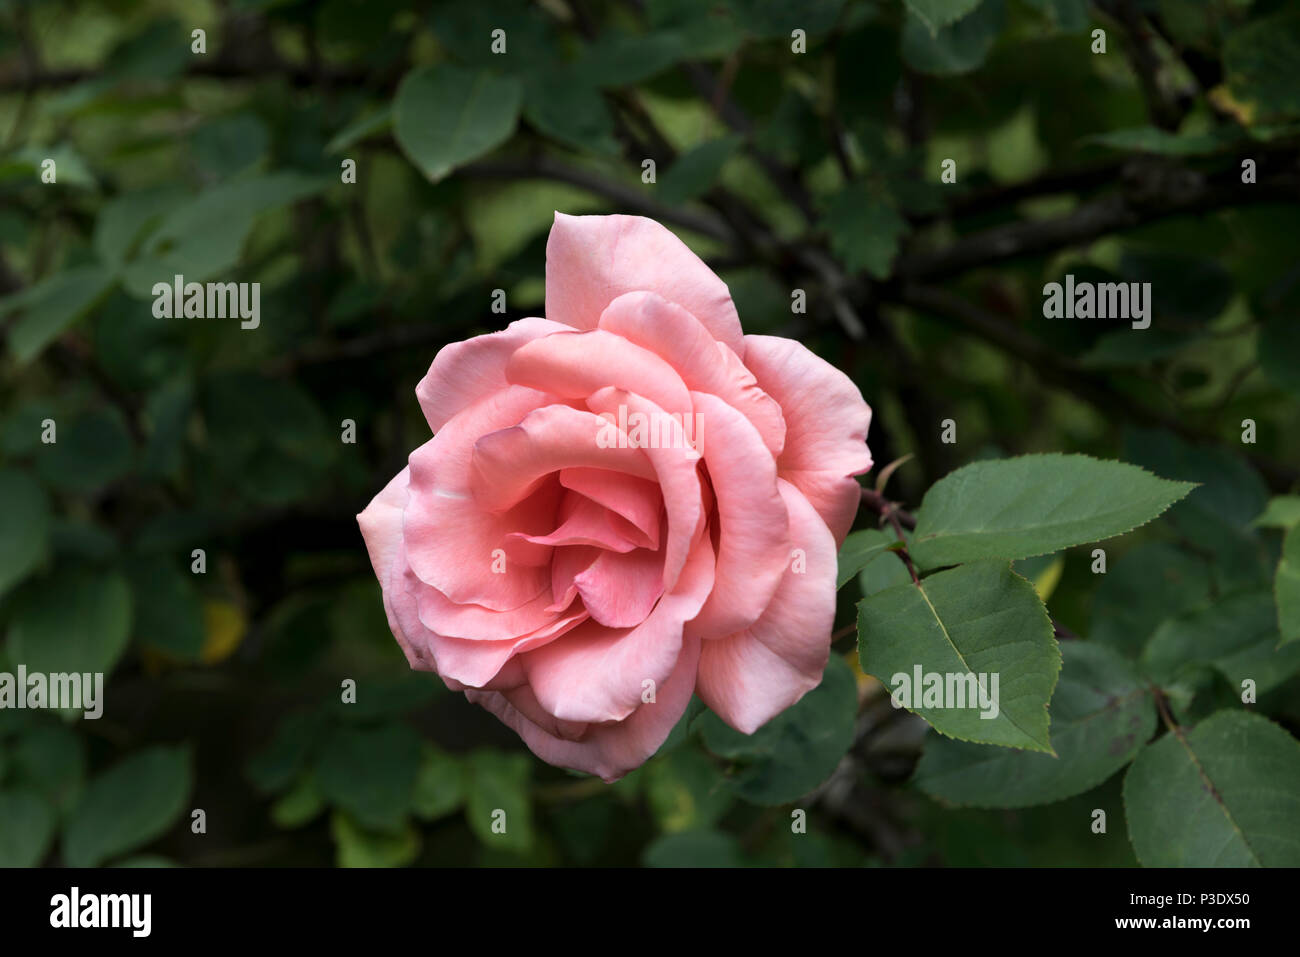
x=826, y=422
x=464, y=372
x=381, y=523
x=608, y=750
x=750, y=677
x=449, y=540
x=576, y=364
x=704, y=364
x=591, y=260
x=753, y=529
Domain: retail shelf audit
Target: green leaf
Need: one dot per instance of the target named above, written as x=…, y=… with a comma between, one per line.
x=694, y=849
x=127, y=806
x=1102, y=715
x=1238, y=635
x=1286, y=587
x=940, y=13
x=773, y=19
x=619, y=59
x=70, y=166
x=1277, y=350
x=168, y=611
x=1151, y=139
x=123, y=221
x=286, y=754
x=858, y=549
x=695, y=30
x=26, y=828
x=566, y=108
x=884, y=571
x=958, y=47
x=299, y=805
x=497, y=803
x=358, y=846
x=92, y=451
x=444, y=117
x=229, y=145
x=370, y=773
x=695, y=171
x=204, y=236
x=795, y=751
x=1069, y=16
x=1143, y=588
x=1216, y=516
x=864, y=229
x=359, y=129
x=1133, y=347
x=969, y=626
x=685, y=791
x=1283, y=511
x=75, y=621
x=439, y=785
x=51, y=307
x=1223, y=794
x=24, y=527
x=1034, y=504
x=50, y=759
x=1261, y=61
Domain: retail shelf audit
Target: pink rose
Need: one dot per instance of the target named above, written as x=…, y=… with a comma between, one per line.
x=623, y=503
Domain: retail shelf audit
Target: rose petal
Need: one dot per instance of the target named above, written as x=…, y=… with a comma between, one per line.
x=576, y=364
x=462, y=373
x=381, y=523
x=704, y=364
x=583, y=522
x=749, y=677
x=510, y=464
x=826, y=421
x=565, y=568
x=452, y=543
x=635, y=499
x=753, y=529
x=674, y=465
x=592, y=260
x=619, y=590
x=472, y=662
x=598, y=673
x=607, y=750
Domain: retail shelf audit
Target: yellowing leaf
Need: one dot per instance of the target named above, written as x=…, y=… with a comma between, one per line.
x=224, y=626
x=1046, y=581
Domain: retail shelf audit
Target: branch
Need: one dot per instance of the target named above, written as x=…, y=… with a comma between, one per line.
x=1154, y=190
x=1056, y=371
x=786, y=180
x=542, y=166
x=1164, y=110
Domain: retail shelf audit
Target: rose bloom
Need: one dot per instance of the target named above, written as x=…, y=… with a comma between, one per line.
x=579, y=581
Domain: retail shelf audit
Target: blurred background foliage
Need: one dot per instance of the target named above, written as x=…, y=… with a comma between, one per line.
x=813, y=169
